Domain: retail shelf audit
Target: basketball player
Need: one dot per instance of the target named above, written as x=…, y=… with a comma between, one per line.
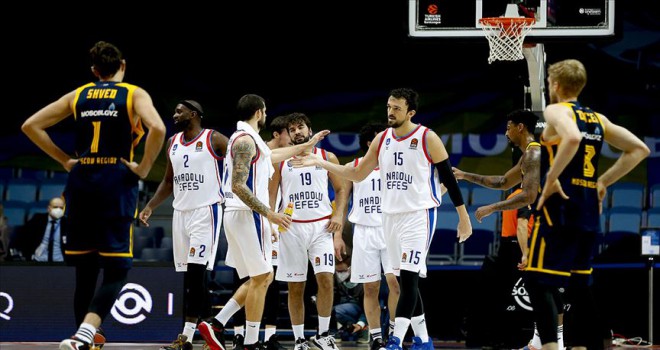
x=520, y=132
x=408, y=155
x=247, y=169
x=517, y=207
x=280, y=138
x=102, y=188
x=192, y=174
x=310, y=236
x=568, y=207
x=369, y=247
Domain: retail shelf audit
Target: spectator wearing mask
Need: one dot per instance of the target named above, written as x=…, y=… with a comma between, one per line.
x=44, y=235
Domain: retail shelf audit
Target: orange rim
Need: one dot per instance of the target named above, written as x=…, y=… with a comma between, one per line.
x=506, y=22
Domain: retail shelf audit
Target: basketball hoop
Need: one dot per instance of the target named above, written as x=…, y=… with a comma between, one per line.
x=506, y=36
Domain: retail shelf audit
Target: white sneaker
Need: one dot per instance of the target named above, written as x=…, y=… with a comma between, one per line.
x=324, y=341
x=73, y=343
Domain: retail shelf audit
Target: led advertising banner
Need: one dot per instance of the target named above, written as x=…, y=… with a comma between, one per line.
x=36, y=304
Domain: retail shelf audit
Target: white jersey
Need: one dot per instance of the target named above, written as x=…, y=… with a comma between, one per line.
x=409, y=178
x=257, y=179
x=197, y=178
x=307, y=188
x=366, y=200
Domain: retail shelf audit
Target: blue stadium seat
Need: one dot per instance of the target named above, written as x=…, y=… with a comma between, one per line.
x=482, y=196
x=156, y=254
x=154, y=232
x=24, y=190
x=444, y=247
x=627, y=194
x=477, y=247
x=59, y=175
x=15, y=211
x=166, y=243
x=487, y=223
x=34, y=174
x=37, y=207
x=140, y=243
x=165, y=208
x=653, y=217
x=2, y=189
x=624, y=220
x=655, y=196
x=51, y=188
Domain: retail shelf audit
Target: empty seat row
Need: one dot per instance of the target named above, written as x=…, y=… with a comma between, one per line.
x=621, y=194
x=18, y=212
x=475, y=195
x=30, y=190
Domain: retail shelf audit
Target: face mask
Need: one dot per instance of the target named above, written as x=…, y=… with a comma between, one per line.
x=57, y=213
x=343, y=275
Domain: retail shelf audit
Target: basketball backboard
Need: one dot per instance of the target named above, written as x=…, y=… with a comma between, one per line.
x=554, y=18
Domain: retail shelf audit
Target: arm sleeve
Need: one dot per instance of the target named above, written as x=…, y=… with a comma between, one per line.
x=447, y=178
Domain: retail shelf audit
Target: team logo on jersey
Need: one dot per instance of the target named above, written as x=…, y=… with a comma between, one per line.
x=288, y=163
x=413, y=143
x=175, y=147
x=273, y=254
x=404, y=257
x=317, y=261
x=192, y=252
x=387, y=141
x=198, y=146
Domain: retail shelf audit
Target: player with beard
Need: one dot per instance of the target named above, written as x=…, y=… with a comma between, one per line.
x=193, y=175
x=280, y=138
x=410, y=157
x=310, y=236
x=516, y=208
x=248, y=218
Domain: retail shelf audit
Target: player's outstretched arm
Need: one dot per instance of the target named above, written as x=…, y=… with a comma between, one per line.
x=284, y=153
x=364, y=168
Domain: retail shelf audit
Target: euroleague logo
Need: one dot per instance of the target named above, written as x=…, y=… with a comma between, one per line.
x=132, y=305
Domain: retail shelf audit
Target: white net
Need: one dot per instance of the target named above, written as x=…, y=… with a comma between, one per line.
x=506, y=36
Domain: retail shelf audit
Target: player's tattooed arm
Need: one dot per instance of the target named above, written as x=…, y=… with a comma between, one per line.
x=244, y=150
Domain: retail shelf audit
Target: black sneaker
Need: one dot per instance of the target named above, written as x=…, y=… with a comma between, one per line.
x=377, y=344
x=273, y=343
x=255, y=346
x=213, y=334
x=237, y=342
